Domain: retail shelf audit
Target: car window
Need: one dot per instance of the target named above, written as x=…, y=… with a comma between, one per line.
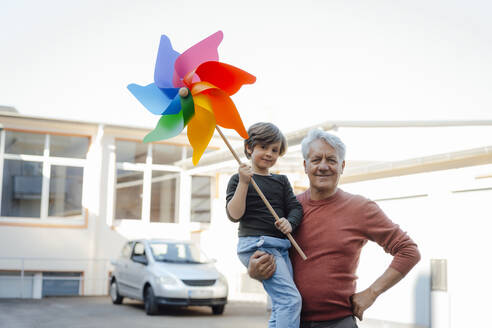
x=127, y=250
x=177, y=252
x=138, y=254
x=139, y=249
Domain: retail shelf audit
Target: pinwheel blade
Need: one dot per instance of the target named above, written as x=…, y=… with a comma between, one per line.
x=201, y=52
x=199, y=87
x=156, y=100
x=226, y=114
x=200, y=131
x=168, y=126
x=224, y=76
x=188, y=108
x=164, y=64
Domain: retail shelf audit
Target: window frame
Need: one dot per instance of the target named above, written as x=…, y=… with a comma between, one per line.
x=79, y=221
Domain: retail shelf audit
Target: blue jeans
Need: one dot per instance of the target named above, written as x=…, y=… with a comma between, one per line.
x=286, y=300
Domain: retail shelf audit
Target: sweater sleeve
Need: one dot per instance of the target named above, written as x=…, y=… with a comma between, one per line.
x=293, y=208
x=380, y=229
x=231, y=189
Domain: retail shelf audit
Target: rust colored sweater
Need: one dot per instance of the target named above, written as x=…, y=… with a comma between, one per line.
x=332, y=234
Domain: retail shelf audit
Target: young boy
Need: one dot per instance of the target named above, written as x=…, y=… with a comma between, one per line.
x=257, y=227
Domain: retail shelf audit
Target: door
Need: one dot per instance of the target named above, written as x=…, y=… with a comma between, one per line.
x=136, y=270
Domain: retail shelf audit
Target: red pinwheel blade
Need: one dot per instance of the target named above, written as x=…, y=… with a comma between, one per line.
x=224, y=76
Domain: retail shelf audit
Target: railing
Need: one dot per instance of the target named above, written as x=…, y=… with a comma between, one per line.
x=31, y=277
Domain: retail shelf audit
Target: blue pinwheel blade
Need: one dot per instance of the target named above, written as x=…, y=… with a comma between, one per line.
x=157, y=101
x=164, y=65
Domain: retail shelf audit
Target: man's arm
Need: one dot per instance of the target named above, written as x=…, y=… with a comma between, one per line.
x=364, y=299
x=405, y=253
x=261, y=265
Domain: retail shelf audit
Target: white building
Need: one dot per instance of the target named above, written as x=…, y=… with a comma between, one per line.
x=72, y=193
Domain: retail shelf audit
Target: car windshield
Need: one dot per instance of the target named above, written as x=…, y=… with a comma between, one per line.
x=177, y=252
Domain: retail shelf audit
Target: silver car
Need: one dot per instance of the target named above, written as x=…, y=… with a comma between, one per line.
x=167, y=272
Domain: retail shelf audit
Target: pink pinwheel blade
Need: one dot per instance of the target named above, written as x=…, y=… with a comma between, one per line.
x=201, y=52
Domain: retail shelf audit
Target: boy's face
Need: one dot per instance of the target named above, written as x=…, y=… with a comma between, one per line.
x=264, y=157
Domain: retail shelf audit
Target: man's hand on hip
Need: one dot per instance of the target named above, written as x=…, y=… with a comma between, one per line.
x=261, y=265
x=362, y=301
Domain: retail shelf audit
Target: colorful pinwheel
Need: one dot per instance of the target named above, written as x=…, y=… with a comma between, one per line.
x=192, y=89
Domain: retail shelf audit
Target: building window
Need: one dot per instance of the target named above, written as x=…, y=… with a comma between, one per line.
x=200, y=198
x=21, y=188
x=68, y=146
x=167, y=154
x=65, y=191
x=24, y=143
x=130, y=152
x=163, y=197
x=129, y=194
x=147, y=185
x=41, y=174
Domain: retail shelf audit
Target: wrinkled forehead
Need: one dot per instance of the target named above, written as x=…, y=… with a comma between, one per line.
x=319, y=147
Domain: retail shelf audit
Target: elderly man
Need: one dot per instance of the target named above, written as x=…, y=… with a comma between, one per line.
x=335, y=227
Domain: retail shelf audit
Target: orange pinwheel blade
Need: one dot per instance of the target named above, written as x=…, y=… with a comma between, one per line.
x=224, y=76
x=200, y=131
x=226, y=114
x=199, y=87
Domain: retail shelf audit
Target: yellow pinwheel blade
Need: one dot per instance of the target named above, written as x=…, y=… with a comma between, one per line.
x=200, y=131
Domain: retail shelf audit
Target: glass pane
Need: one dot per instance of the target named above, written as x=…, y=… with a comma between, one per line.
x=163, y=197
x=21, y=188
x=166, y=154
x=65, y=191
x=68, y=146
x=129, y=187
x=130, y=151
x=200, y=199
x=189, y=151
x=24, y=143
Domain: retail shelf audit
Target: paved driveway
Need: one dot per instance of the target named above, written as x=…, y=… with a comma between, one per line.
x=92, y=312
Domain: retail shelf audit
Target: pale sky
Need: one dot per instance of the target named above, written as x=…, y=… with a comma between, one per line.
x=314, y=60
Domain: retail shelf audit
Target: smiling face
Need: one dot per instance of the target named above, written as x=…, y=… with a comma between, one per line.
x=263, y=157
x=323, y=168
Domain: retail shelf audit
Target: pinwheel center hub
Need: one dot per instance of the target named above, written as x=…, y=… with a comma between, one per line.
x=183, y=92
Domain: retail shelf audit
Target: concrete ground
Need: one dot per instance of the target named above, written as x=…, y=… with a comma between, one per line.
x=92, y=312
x=99, y=312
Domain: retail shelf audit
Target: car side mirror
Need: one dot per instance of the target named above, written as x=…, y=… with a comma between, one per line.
x=140, y=259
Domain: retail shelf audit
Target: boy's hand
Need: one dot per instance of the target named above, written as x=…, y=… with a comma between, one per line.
x=284, y=226
x=245, y=173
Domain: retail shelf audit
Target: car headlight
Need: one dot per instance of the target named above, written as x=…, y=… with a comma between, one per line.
x=168, y=280
x=222, y=280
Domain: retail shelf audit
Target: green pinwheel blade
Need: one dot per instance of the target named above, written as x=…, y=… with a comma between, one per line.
x=188, y=108
x=168, y=126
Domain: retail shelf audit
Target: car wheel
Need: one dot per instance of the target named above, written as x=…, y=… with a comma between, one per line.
x=218, y=309
x=150, y=304
x=116, y=298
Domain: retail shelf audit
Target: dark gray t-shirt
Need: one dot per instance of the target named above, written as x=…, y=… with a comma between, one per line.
x=257, y=219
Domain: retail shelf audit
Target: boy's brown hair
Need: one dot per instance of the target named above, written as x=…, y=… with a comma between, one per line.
x=264, y=134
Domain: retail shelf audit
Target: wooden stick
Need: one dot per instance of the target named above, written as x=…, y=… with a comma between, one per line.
x=262, y=196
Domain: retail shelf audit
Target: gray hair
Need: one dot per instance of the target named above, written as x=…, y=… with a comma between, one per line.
x=329, y=138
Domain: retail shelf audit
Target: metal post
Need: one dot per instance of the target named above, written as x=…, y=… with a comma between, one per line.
x=22, y=279
x=439, y=294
